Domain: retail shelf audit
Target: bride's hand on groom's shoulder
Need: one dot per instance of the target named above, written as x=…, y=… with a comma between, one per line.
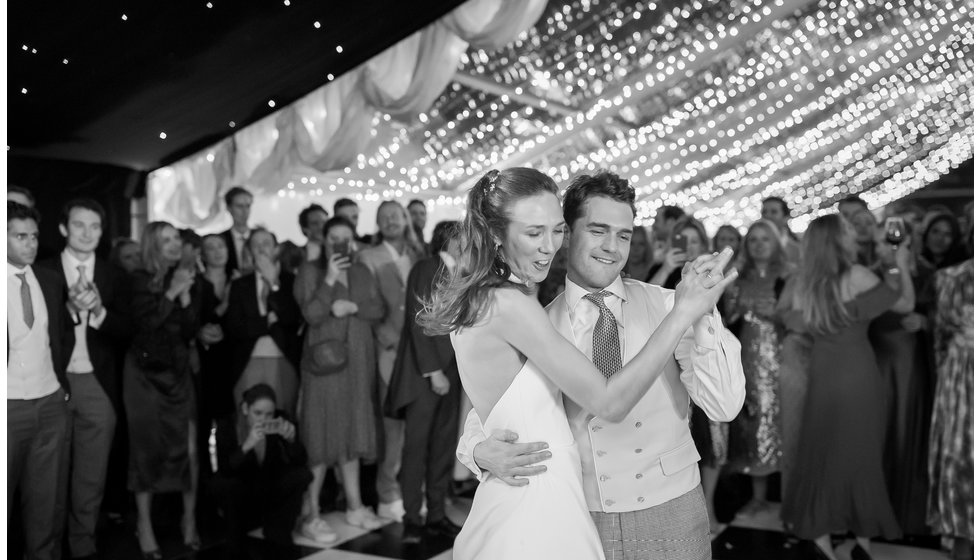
x=509, y=461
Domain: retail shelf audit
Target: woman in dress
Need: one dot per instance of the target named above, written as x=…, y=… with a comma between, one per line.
x=839, y=480
x=951, y=438
x=217, y=400
x=158, y=389
x=750, y=308
x=515, y=366
x=340, y=301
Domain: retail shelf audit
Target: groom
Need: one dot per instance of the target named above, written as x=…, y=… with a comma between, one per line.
x=640, y=475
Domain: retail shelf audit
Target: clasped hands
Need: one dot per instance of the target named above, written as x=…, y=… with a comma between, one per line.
x=84, y=296
x=703, y=281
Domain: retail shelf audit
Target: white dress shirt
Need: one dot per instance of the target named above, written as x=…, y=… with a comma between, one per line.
x=402, y=261
x=30, y=370
x=80, y=361
x=265, y=347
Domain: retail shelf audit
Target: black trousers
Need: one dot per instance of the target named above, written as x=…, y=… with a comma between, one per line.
x=431, y=426
x=273, y=502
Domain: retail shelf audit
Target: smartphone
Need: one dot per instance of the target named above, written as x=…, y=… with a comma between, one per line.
x=894, y=231
x=341, y=248
x=679, y=242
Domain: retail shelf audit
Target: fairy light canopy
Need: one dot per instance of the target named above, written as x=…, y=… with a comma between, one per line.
x=708, y=105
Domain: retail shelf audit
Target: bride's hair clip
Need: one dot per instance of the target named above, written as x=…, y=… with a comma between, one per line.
x=492, y=177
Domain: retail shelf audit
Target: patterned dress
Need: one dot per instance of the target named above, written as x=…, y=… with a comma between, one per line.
x=754, y=436
x=951, y=438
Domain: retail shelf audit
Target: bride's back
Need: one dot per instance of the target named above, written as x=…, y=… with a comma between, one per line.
x=487, y=363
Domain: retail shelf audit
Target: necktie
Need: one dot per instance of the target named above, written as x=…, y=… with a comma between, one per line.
x=605, y=338
x=265, y=297
x=81, y=275
x=25, y=300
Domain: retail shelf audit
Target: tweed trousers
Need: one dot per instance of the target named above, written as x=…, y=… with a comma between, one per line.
x=675, y=530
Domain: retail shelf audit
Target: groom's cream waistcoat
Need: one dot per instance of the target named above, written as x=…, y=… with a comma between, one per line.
x=649, y=458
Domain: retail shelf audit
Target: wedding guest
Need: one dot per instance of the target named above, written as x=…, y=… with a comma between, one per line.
x=390, y=259
x=690, y=232
x=728, y=236
x=777, y=211
x=348, y=209
x=665, y=220
x=125, y=254
x=902, y=349
x=291, y=256
x=839, y=483
x=217, y=399
x=238, y=201
x=39, y=346
x=311, y=221
x=190, y=248
x=850, y=204
x=262, y=470
x=340, y=301
x=425, y=392
x=951, y=470
x=262, y=323
x=941, y=241
x=749, y=309
x=99, y=307
x=157, y=387
x=865, y=233
x=418, y=213
x=641, y=254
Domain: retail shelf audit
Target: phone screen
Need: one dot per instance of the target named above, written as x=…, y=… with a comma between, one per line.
x=342, y=249
x=679, y=242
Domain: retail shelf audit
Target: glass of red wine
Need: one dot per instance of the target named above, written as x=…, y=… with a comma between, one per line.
x=894, y=231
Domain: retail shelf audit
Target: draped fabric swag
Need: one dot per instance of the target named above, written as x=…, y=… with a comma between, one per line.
x=326, y=130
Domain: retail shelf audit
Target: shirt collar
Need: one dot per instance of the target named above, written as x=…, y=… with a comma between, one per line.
x=394, y=252
x=575, y=293
x=13, y=270
x=70, y=261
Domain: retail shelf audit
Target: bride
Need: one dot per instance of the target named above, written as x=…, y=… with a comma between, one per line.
x=514, y=365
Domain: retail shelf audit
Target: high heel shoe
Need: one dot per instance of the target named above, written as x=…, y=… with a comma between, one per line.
x=154, y=554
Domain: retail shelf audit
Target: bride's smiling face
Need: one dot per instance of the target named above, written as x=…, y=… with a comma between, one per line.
x=534, y=234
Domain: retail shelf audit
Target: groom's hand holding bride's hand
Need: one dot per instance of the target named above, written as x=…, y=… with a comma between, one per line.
x=507, y=460
x=703, y=281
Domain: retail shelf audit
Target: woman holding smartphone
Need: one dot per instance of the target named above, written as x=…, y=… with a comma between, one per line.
x=340, y=302
x=262, y=469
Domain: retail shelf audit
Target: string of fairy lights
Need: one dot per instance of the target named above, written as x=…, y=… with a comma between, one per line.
x=707, y=105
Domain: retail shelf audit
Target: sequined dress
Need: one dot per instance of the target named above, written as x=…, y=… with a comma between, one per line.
x=754, y=435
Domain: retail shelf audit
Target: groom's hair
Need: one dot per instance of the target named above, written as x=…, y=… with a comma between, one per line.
x=603, y=183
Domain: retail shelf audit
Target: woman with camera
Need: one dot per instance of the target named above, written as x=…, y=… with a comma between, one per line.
x=339, y=413
x=262, y=469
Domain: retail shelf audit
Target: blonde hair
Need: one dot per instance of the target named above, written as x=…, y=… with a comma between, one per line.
x=829, y=252
x=153, y=261
x=777, y=261
x=412, y=241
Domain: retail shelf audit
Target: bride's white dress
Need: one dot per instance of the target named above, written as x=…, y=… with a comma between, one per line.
x=548, y=517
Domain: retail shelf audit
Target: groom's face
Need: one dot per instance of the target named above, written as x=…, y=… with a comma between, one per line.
x=599, y=245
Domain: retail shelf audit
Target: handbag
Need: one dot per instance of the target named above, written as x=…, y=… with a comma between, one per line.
x=329, y=356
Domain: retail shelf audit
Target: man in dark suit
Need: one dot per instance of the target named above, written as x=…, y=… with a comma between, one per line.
x=425, y=391
x=38, y=420
x=262, y=325
x=97, y=306
x=238, y=201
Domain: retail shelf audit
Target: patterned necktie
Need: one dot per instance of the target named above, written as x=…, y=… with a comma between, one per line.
x=25, y=300
x=605, y=338
x=81, y=275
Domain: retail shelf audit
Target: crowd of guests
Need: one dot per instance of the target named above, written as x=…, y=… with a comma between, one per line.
x=304, y=362
x=241, y=372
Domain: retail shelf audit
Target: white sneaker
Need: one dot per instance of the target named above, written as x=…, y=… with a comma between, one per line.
x=318, y=530
x=364, y=518
x=394, y=511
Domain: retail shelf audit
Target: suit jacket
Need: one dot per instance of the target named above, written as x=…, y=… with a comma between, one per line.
x=378, y=259
x=61, y=335
x=418, y=353
x=243, y=325
x=114, y=332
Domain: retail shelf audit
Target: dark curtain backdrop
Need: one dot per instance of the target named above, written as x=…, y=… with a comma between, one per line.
x=55, y=182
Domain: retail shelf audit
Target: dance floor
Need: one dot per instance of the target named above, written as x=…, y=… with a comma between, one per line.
x=754, y=537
